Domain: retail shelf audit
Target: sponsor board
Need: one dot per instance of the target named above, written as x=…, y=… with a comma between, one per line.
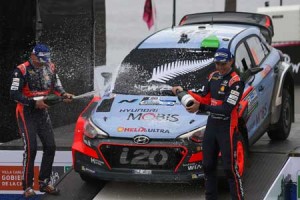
x=291, y=56
x=11, y=177
x=11, y=171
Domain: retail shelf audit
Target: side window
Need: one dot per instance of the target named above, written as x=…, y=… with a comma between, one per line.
x=242, y=59
x=258, y=50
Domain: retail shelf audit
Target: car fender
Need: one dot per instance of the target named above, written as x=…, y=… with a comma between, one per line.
x=284, y=79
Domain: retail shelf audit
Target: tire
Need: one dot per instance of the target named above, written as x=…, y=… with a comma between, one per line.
x=282, y=128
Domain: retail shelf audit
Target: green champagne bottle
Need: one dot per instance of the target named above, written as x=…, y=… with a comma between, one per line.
x=52, y=99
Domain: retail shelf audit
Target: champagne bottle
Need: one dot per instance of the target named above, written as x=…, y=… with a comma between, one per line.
x=52, y=99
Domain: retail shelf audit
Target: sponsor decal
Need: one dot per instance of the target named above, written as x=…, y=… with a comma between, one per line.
x=157, y=101
x=142, y=130
x=83, y=168
x=153, y=117
x=13, y=88
x=231, y=101
x=141, y=139
x=193, y=166
x=128, y=101
x=222, y=88
x=262, y=113
x=183, y=38
x=138, y=110
x=236, y=93
x=171, y=70
x=143, y=157
x=224, y=83
x=197, y=176
x=152, y=87
x=97, y=162
x=201, y=89
x=252, y=102
x=258, y=118
x=234, y=97
x=15, y=84
x=16, y=80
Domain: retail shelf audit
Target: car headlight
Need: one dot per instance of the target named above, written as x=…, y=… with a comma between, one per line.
x=92, y=131
x=195, y=135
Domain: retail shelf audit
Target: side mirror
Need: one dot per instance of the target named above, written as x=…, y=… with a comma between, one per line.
x=250, y=72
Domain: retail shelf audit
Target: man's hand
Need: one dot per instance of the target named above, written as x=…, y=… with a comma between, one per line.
x=67, y=97
x=176, y=89
x=193, y=108
x=40, y=104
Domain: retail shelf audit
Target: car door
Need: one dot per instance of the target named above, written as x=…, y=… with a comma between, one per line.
x=264, y=80
x=243, y=62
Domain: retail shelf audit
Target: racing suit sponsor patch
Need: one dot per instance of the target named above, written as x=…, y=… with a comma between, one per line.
x=16, y=80
x=231, y=101
x=15, y=83
x=234, y=97
x=236, y=93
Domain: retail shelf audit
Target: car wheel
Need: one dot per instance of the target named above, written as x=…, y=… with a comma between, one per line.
x=241, y=155
x=282, y=128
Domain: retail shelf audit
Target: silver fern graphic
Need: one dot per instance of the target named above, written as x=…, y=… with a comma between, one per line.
x=169, y=71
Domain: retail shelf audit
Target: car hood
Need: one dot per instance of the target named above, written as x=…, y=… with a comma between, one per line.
x=163, y=117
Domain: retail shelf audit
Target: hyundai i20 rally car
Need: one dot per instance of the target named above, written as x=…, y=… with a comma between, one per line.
x=139, y=131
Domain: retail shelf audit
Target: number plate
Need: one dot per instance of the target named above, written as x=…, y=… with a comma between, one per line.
x=142, y=171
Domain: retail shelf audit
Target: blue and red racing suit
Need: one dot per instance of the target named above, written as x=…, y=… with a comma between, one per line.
x=220, y=97
x=29, y=81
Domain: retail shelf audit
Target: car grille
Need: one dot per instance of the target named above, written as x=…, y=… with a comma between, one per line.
x=141, y=157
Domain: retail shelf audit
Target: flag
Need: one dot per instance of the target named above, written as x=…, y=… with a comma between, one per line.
x=148, y=14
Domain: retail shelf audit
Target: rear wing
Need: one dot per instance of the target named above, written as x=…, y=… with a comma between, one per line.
x=264, y=22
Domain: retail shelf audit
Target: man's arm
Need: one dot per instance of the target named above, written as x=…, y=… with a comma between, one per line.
x=16, y=89
x=58, y=88
x=202, y=95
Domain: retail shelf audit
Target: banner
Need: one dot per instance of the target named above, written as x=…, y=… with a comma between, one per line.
x=11, y=171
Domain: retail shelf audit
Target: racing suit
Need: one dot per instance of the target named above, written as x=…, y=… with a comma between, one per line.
x=220, y=97
x=29, y=81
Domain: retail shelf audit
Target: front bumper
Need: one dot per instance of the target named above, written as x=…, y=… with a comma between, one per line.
x=82, y=165
x=182, y=168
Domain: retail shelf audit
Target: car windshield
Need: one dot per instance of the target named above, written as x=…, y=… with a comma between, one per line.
x=155, y=71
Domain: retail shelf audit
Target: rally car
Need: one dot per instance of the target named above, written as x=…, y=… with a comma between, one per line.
x=139, y=131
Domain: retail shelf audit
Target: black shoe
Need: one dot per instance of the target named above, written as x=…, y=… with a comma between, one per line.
x=29, y=192
x=45, y=186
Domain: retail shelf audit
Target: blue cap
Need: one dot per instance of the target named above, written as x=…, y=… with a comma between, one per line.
x=42, y=52
x=222, y=55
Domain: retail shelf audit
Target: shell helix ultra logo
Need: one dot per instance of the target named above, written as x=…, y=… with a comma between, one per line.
x=141, y=130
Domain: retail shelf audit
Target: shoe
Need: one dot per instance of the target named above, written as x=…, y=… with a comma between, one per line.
x=45, y=186
x=29, y=192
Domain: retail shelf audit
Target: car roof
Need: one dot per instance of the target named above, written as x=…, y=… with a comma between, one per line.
x=170, y=37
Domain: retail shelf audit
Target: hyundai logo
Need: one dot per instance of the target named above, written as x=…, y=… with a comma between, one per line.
x=141, y=139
